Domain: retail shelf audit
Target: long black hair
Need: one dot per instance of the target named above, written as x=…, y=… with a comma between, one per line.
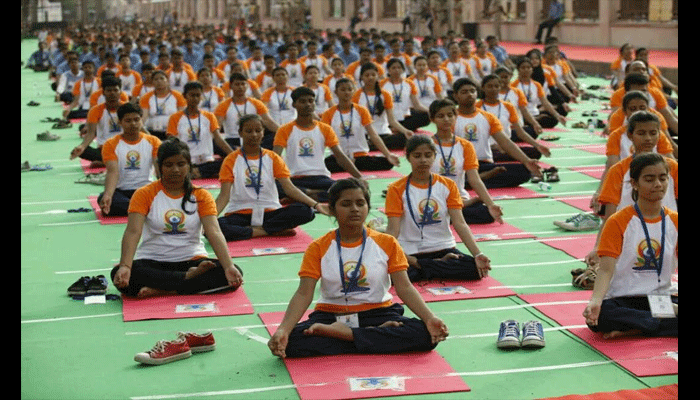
x=173, y=146
x=378, y=100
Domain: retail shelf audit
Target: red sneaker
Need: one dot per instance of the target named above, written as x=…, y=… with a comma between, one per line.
x=198, y=343
x=165, y=352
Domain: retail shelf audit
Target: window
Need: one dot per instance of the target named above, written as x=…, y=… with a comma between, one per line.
x=637, y=10
x=396, y=8
x=337, y=9
x=514, y=8
x=585, y=9
x=364, y=7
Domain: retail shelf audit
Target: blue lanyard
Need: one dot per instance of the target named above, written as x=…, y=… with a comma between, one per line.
x=397, y=96
x=446, y=161
x=346, y=129
x=194, y=137
x=245, y=106
x=281, y=103
x=376, y=99
x=353, y=276
x=257, y=184
x=161, y=111
x=425, y=208
x=651, y=256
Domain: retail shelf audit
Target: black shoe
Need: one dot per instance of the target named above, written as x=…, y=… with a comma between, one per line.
x=80, y=286
x=97, y=285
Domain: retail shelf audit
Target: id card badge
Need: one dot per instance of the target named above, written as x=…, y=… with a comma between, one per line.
x=661, y=305
x=350, y=320
x=258, y=215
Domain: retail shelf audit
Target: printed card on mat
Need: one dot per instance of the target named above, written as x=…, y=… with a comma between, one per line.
x=377, y=383
x=190, y=308
x=447, y=290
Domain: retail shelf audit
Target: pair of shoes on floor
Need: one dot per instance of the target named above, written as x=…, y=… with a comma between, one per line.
x=589, y=114
x=47, y=136
x=90, y=286
x=509, y=335
x=27, y=167
x=62, y=124
x=584, y=278
x=377, y=224
x=549, y=137
x=33, y=104
x=168, y=351
x=580, y=222
x=93, y=179
x=550, y=174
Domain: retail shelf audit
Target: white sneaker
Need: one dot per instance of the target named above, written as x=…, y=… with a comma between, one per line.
x=580, y=222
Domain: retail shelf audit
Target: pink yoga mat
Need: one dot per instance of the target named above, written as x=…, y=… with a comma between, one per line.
x=458, y=290
x=593, y=148
x=186, y=306
x=641, y=356
x=85, y=165
x=210, y=183
x=517, y=192
x=370, y=174
x=105, y=220
x=594, y=172
x=267, y=245
x=577, y=246
x=580, y=202
x=356, y=376
x=494, y=231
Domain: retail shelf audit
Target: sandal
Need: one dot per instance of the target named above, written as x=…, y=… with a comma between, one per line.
x=33, y=103
x=579, y=125
x=42, y=167
x=93, y=179
x=63, y=124
x=549, y=138
x=551, y=174
x=584, y=278
x=47, y=136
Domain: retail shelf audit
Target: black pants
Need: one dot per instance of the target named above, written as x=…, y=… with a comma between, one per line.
x=548, y=25
x=120, y=202
x=363, y=163
x=514, y=175
x=477, y=213
x=628, y=313
x=171, y=276
x=236, y=226
x=92, y=154
x=369, y=338
x=77, y=114
x=462, y=268
x=209, y=169
x=311, y=182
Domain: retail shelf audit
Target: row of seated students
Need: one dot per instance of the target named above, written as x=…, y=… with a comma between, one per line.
x=426, y=263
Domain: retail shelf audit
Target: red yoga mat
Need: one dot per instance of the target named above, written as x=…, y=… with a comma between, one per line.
x=517, y=192
x=186, y=306
x=391, y=174
x=356, y=376
x=593, y=148
x=268, y=245
x=576, y=246
x=667, y=392
x=494, y=231
x=105, y=220
x=85, y=165
x=210, y=183
x=458, y=290
x=580, y=202
x=641, y=356
x=594, y=172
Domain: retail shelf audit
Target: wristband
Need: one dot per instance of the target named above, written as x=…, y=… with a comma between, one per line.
x=480, y=254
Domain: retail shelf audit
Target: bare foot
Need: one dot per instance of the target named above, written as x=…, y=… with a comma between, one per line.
x=617, y=334
x=150, y=292
x=391, y=323
x=203, y=267
x=493, y=172
x=286, y=232
x=336, y=330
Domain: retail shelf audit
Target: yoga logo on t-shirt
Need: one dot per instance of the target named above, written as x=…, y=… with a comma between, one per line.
x=355, y=278
x=647, y=257
x=470, y=132
x=306, y=147
x=174, y=222
x=133, y=160
x=429, y=212
x=252, y=177
x=448, y=169
x=193, y=135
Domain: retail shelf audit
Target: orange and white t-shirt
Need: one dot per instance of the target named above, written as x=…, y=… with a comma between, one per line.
x=428, y=88
x=161, y=108
x=458, y=69
x=141, y=89
x=444, y=77
x=323, y=97
x=98, y=97
x=356, y=66
x=245, y=173
x=619, y=144
x=617, y=188
x=255, y=67
x=430, y=213
x=488, y=63
x=134, y=159
x=169, y=233
x=478, y=128
x=331, y=80
x=280, y=105
x=402, y=96
x=82, y=90
x=452, y=159
x=197, y=131
x=106, y=122
x=380, y=122
x=252, y=85
x=533, y=93
x=129, y=80
x=264, y=81
x=318, y=61
x=352, y=292
x=304, y=148
x=351, y=128
x=623, y=238
x=657, y=100
x=211, y=98
x=178, y=79
x=506, y=113
x=231, y=112
x=296, y=72
x=618, y=119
